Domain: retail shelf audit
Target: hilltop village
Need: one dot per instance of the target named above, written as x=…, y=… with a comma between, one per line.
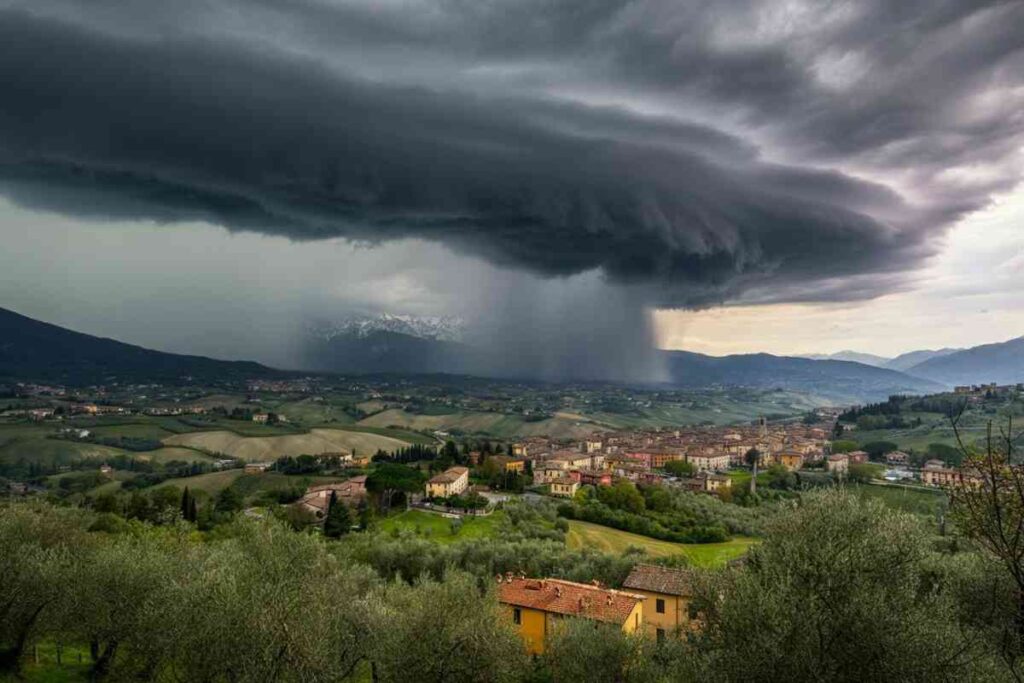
x=558, y=520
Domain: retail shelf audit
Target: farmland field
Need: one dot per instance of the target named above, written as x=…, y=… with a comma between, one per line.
x=606, y=539
x=171, y=453
x=30, y=443
x=271, y=447
x=494, y=424
x=395, y=433
x=212, y=483
x=312, y=412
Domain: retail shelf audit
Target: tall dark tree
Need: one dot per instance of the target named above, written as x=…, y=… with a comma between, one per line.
x=388, y=480
x=188, y=504
x=365, y=514
x=339, y=521
x=753, y=456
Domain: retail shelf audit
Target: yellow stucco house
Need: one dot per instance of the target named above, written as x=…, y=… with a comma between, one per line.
x=536, y=606
x=565, y=487
x=667, y=593
x=452, y=482
x=791, y=460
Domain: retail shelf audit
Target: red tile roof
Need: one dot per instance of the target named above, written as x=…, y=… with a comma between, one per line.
x=649, y=577
x=566, y=597
x=450, y=475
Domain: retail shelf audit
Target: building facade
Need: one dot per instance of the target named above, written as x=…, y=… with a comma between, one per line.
x=452, y=482
x=536, y=605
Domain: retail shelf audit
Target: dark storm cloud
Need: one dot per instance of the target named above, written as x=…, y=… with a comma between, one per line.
x=477, y=124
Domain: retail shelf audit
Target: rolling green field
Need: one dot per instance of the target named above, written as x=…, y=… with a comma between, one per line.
x=393, y=433
x=493, y=424
x=29, y=442
x=211, y=483
x=311, y=412
x=719, y=408
x=171, y=453
x=439, y=528
x=606, y=539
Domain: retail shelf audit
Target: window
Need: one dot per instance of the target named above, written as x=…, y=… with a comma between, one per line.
x=517, y=616
x=659, y=606
x=661, y=635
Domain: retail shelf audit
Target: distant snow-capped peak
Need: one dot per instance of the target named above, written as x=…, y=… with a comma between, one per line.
x=441, y=328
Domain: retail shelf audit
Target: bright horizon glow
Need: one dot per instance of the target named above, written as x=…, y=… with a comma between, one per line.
x=971, y=293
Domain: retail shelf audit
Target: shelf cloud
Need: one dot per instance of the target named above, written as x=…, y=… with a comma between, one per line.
x=699, y=154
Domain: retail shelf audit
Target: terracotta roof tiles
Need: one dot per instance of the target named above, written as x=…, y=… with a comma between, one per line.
x=649, y=577
x=569, y=598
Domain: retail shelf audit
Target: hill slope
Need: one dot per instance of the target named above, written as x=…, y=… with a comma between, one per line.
x=905, y=361
x=854, y=356
x=30, y=349
x=1002, y=363
x=834, y=378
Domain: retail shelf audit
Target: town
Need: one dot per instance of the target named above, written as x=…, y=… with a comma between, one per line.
x=203, y=456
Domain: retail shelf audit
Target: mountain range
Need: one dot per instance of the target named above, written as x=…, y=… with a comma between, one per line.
x=1002, y=362
x=441, y=328
x=374, y=345
x=35, y=350
x=903, y=363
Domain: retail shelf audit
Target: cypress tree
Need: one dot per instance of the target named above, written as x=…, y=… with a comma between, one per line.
x=185, y=504
x=364, y=515
x=338, y=521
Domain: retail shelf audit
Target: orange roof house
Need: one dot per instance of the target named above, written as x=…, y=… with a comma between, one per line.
x=536, y=605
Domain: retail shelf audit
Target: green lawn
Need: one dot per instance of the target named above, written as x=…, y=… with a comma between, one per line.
x=439, y=528
x=606, y=539
x=741, y=478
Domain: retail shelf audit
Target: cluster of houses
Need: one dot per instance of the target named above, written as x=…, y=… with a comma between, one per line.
x=655, y=601
x=993, y=389
x=643, y=455
x=40, y=414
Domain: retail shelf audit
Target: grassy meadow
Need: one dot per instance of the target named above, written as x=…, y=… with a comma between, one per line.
x=616, y=542
x=438, y=528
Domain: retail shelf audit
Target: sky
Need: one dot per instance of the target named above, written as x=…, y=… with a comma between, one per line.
x=738, y=176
